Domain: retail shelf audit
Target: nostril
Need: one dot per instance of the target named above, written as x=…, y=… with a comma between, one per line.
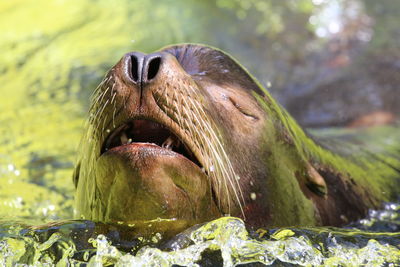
x=154, y=66
x=134, y=68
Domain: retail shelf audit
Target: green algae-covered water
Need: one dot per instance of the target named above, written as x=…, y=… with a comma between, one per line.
x=54, y=53
x=223, y=242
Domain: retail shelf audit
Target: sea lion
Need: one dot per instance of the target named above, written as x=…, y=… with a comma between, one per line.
x=187, y=133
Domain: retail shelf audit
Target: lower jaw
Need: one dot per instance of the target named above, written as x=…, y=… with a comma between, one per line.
x=141, y=182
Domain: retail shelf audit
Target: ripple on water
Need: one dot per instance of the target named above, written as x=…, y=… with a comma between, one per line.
x=224, y=241
x=230, y=237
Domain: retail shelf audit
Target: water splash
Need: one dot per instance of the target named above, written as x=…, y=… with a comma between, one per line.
x=386, y=220
x=237, y=246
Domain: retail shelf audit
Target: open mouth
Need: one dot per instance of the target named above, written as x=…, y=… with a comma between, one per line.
x=146, y=131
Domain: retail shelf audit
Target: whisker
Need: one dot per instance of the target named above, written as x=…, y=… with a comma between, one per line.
x=217, y=161
x=114, y=110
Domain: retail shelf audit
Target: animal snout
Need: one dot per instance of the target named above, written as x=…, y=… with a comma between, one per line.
x=141, y=69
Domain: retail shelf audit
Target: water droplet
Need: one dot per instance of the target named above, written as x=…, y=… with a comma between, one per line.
x=202, y=73
x=11, y=167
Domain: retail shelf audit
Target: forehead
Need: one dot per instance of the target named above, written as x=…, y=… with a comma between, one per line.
x=214, y=65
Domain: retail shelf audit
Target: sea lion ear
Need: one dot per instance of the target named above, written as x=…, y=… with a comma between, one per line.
x=315, y=182
x=75, y=175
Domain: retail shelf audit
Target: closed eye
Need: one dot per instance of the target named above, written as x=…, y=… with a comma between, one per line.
x=242, y=110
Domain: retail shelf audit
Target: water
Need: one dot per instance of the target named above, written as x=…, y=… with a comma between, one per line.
x=222, y=242
x=51, y=64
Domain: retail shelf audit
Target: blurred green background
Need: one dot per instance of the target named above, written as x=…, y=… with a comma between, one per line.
x=328, y=62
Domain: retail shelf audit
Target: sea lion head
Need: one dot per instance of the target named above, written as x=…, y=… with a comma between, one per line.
x=181, y=133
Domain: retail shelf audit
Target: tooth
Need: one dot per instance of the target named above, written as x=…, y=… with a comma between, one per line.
x=124, y=138
x=168, y=143
x=129, y=140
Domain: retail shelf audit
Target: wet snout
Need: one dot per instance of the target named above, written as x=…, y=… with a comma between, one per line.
x=141, y=69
